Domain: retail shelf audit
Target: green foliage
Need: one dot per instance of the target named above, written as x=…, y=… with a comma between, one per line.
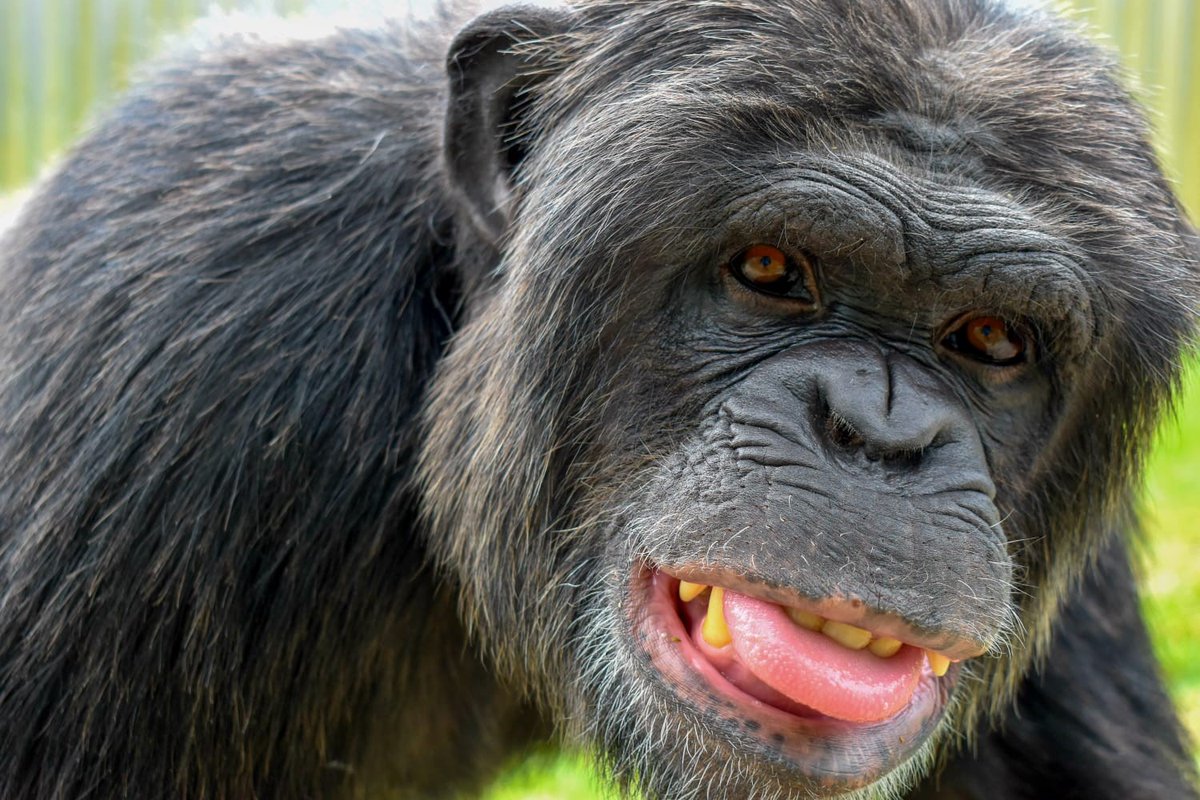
x=550, y=776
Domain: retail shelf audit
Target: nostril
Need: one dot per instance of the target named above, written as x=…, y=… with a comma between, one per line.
x=842, y=433
x=904, y=458
x=844, y=436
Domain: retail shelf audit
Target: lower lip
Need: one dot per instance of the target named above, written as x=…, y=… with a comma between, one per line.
x=832, y=754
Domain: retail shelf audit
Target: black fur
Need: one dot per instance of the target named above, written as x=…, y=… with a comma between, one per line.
x=333, y=393
x=247, y=278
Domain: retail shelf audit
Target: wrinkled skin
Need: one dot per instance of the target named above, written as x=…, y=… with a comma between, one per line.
x=357, y=421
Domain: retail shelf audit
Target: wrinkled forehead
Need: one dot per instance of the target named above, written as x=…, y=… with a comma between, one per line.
x=688, y=159
x=657, y=185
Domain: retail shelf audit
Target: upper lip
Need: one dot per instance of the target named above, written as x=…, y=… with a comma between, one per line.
x=851, y=611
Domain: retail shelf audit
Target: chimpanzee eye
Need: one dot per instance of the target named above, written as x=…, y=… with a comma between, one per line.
x=989, y=340
x=770, y=271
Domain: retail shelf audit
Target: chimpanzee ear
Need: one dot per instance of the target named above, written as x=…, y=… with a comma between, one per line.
x=488, y=69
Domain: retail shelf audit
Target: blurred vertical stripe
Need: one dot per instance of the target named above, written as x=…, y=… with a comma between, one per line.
x=62, y=58
x=1159, y=41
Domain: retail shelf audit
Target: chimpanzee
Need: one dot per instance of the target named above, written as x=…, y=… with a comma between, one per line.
x=750, y=392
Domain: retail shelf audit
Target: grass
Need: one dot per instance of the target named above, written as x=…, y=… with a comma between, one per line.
x=1172, y=564
x=547, y=776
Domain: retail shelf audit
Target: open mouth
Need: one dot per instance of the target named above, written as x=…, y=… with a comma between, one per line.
x=841, y=703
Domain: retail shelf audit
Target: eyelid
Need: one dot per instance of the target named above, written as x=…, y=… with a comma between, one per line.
x=744, y=289
x=1027, y=332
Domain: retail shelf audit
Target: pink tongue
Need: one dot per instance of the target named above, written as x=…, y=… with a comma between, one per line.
x=812, y=669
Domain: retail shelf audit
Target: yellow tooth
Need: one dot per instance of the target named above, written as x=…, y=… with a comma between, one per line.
x=884, y=646
x=846, y=635
x=805, y=619
x=938, y=663
x=714, y=630
x=689, y=591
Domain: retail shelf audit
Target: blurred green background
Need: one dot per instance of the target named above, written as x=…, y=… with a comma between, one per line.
x=62, y=60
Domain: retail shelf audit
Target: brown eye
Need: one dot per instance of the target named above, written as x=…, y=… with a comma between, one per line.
x=988, y=340
x=769, y=270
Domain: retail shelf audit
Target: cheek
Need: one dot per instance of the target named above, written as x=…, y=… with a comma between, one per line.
x=1016, y=434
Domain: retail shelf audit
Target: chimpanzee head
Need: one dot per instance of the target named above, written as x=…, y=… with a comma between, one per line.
x=812, y=352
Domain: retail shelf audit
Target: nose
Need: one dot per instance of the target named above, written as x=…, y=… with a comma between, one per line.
x=892, y=410
x=884, y=408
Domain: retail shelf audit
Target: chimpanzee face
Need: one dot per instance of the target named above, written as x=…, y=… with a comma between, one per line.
x=784, y=356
